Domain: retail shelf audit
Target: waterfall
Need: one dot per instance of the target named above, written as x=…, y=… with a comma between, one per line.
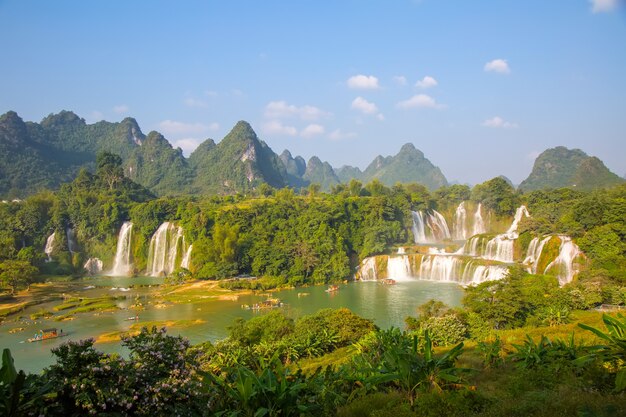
x=565, y=261
x=440, y=268
x=479, y=224
x=475, y=274
x=429, y=227
x=500, y=248
x=519, y=213
x=419, y=233
x=401, y=251
x=399, y=268
x=471, y=247
x=50, y=243
x=93, y=266
x=460, y=217
x=72, y=246
x=122, y=265
x=368, y=269
x=534, y=253
x=187, y=258
x=163, y=251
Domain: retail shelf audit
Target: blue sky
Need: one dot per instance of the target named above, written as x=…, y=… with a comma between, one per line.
x=481, y=87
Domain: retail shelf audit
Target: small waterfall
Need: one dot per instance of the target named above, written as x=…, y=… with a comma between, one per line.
x=429, y=227
x=519, y=213
x=475, y=274
x=419, y=232
x=122, y=265
x=534, y=253
x=93, y=266
x=187, y=258
x=49, y=248
x=401, y=251
x=479, y=224
x=399, y=268
x=163, y=251
x=500, y=248
x=565, y=261
x=72, y=246
x=368, y=269
x=460, y=217
x=472, y=248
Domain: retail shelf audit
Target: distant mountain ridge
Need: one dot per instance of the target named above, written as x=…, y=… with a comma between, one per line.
x=43, y=155
x=562, y=167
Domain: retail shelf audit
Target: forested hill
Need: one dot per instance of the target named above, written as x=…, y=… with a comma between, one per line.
x=36, y=156
x=561, y=167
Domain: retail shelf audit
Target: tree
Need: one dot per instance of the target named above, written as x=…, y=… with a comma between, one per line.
x=109, y=168
x=15, y=274
x=496, y=194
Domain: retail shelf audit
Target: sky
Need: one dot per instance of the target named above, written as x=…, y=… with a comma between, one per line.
x=481, y=87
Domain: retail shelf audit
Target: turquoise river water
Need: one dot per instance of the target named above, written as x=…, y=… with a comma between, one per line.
x=386, y=305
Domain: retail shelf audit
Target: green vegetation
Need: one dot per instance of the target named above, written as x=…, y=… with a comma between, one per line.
x=260, y=370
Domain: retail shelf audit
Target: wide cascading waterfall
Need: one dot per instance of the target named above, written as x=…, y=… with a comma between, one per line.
x=399, y=268
x=187, y=258
x=429, y=227
x=122, y=265
x=49, y=248
x=72, y=246
x=479, y=224
x=93, y=266
x=460, y=219
x=533, y=254
x=475, y=246
x=163, y=251
x=564, y=263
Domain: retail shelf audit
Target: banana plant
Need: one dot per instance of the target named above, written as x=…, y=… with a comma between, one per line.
x=614, y=351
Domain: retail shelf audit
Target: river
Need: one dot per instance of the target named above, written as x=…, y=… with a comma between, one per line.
x=386, y=305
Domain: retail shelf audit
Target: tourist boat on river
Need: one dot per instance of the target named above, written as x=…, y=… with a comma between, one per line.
x=46, y=334
x=389, y=281
x=332, y=288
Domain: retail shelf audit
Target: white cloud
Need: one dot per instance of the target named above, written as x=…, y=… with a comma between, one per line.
x=283, y=110
x=274, y=127
x=363, y=82
x=603, y=6
x=210, y=93
x=172, y=127
x=400, y=79
x=533, y=155
x=426, y=82
x=364, y=106
x=188, y=145
x=498, y=65
x=312, y=130
x=194, y=102
x=337, y=134
x=380, y=117
x=95, y=116
x=498, y=122
x=121, y=109
x=214, y=126
x=420, y=100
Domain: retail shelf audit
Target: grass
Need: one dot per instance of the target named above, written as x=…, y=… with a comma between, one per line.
x=83, y=305
x=335, y=358
x=41, y=314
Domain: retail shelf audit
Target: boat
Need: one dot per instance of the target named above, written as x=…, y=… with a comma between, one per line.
x=46, y=334
x=389, y=281
x=332, y=288
x=133, y=318
x=267, y=304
